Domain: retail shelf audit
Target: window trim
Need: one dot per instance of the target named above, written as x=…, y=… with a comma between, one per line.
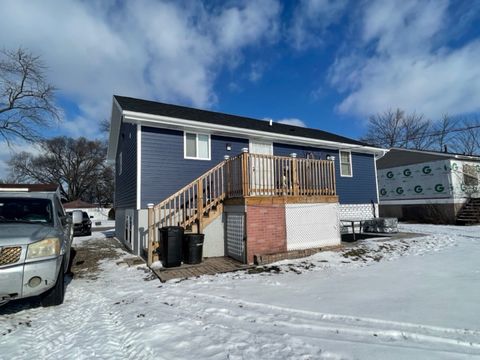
x=196, y=144
x=340, y=162
x=120, y=163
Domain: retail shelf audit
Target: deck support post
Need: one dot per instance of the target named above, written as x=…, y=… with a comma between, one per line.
x=151, y=234
x=200, y=205
x=227, y=179
x=295, y=174
x=333, y=188
x=245, y=173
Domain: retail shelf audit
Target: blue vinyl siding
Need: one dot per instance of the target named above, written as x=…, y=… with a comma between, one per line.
x=126, y=183
x=164, y=169
x=359, y=189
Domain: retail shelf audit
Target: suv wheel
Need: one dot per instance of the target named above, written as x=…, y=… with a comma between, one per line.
x=55, y=295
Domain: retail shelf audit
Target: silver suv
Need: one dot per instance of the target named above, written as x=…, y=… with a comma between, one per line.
x=35, y=241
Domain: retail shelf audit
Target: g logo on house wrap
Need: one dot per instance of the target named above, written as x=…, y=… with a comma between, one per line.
x=439, y=188
x=399, y=190
x=418, y=189
x=383, y=192
x=427, y=170
x=389, y=174
x=454, y=166
x=407, y=172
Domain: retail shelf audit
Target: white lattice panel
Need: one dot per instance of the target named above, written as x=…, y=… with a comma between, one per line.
x=235, y=236
x=312, y=225
x=357, y=211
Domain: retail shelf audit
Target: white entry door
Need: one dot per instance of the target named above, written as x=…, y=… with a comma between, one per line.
x=261, y=181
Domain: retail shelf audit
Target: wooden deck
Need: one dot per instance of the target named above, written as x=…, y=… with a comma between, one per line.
x=209, y=266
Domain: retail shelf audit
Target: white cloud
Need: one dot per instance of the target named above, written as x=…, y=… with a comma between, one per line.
x=241, y=25
x=171, y=51
x=291, y=121
x=409, y=64
x=310, y=20
x=256, y=71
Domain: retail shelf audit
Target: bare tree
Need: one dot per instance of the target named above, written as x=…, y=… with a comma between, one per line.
x=26, y=98
x=444, y=133
x=467, y=141
x=384, y=128
x=415, y=131
x=76, y=165
x=104, y=126
x=397, y=129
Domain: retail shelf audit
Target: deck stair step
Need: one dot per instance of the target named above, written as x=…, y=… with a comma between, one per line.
x=470, y=213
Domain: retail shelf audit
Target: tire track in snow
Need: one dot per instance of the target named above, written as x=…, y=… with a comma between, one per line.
x=338, y=327
x=70, y=332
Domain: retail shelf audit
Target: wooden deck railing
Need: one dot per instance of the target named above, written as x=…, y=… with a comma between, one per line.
x=267, y=175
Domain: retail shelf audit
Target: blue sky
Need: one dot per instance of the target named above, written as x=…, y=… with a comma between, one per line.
x=325, y=64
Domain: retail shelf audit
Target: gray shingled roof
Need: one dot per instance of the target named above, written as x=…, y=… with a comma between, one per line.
x=211, y=117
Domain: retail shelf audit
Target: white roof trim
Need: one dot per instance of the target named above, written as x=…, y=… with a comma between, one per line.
x=114, y=132
x=448, y=155
x=165, y=121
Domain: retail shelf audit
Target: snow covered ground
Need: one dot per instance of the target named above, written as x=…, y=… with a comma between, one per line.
x=405, y=299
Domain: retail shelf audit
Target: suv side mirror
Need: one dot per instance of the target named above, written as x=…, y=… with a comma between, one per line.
x=77, y=216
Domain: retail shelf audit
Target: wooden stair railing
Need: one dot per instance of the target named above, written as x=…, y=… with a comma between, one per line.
x=188, y=206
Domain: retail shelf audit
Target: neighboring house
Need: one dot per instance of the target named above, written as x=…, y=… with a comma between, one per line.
x=281, y=188
x=429, y=186
x=96, y=213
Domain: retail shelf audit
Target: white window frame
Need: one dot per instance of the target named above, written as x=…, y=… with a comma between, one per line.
x=120, y=163
x=340, y=162
x=196, y=143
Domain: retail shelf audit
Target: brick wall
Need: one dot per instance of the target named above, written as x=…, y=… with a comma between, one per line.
x=266, y=231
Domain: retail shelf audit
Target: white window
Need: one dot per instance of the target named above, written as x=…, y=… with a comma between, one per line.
x=345, y=163
x=197, y=146
x=120, y=163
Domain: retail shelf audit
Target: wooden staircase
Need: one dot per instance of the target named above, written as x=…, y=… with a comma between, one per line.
x=470, y=212
x=192, y=207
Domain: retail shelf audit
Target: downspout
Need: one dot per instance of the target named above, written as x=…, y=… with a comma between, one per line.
x=377, y=157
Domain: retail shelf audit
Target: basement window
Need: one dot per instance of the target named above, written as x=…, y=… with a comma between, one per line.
x=346, y=163
x=197, y=146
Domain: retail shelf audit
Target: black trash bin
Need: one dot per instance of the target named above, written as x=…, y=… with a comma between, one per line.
x=193, y=248
x=171, y=246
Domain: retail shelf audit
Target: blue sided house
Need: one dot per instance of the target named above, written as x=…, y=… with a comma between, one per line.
x=253, y=187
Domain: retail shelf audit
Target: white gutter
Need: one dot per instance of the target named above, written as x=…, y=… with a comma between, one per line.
x=156, y=120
